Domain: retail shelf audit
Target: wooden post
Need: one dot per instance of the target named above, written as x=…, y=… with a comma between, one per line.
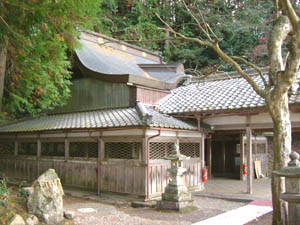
x=223, y=155
x=67, y=149
x=16, y=148
x=15, y=157
x=242, y=157
x=145, y=162
x=202, y=150
x=249, y=161
x=100, y=158
x=39, y=149
x=209, y=157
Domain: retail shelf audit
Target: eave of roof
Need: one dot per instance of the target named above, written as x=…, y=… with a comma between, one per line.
x=101, y=119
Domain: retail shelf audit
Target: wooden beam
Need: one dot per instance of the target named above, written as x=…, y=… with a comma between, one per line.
x=249, y=161
x=242, y=157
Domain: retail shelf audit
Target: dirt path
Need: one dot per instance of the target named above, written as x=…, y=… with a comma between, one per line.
x=101, y=213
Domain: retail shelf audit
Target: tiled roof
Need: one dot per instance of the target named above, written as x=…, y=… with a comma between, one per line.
x=110, y=118
x=213, y=96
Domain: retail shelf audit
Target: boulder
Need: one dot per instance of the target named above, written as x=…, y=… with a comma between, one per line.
x=32, y=220
x=46, y=200
x=17, y=220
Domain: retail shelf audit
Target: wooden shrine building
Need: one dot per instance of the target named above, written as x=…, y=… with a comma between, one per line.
x=108, y=137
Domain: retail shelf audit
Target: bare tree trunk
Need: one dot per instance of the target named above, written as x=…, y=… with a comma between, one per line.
x=279, y=111
x=3, y=55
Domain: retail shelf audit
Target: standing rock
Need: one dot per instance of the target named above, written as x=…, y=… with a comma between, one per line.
x=17, y=220
x=46, y=200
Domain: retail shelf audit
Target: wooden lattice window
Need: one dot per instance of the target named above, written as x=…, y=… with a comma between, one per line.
x=159, y=150
x=261, y=148
x=27, y=148
x=83, y=149
x=122, y=150
x=7, y=148
x=53, y=149
x=190, y=149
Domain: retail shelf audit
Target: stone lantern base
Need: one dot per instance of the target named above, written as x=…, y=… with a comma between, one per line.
x=175, y=198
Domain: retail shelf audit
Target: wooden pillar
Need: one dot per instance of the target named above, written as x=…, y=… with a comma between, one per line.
x=145, y=162
x=242, y=157
x=39, y=150
x=209, y=157
x=67, y=149
x=223, y=155
x=202, y=150
x=16, y=147
x=100, y=159
x=249, y=161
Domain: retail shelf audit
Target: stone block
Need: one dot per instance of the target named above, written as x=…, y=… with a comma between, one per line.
x=292, y=185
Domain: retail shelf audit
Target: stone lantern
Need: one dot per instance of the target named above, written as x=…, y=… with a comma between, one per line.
x=292, y=187
x=176, y=195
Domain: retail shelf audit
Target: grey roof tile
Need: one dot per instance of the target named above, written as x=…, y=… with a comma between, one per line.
x=109, y=118
x=217, y=95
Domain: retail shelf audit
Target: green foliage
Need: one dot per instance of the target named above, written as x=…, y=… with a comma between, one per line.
x=3, y=186
x=242, y=25
x=38, y=34
x=133, y=21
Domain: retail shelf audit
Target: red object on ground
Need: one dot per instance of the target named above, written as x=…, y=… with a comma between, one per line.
x=204, y=175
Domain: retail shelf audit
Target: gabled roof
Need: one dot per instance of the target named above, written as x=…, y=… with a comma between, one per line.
x=224, y=95
x=113, y=60
x=110, y=118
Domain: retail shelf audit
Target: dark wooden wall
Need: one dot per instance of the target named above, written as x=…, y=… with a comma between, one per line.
x=91, y=94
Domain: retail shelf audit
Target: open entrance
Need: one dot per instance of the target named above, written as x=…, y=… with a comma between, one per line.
x=226, y=153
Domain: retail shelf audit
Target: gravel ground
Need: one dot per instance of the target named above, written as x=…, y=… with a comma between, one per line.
x=122, y=213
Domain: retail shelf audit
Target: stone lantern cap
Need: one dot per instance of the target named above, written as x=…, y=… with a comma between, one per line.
x=293, y=168
x=175, y=154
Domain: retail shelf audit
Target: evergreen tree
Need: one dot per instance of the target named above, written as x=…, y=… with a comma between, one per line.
x=34, y=38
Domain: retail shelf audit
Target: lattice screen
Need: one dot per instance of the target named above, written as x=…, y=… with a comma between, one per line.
x=7, y=148
x=158, y=150
x=123, y=150
x=190, y=149
x=27, y=148
x=53, y=149
x=261, y=148
x=83, y=149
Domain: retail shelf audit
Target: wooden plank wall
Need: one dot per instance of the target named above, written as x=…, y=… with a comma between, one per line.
x=149, y=96
x=103, y=95
x=159, y=176
x=81, y=174
x=120, y=176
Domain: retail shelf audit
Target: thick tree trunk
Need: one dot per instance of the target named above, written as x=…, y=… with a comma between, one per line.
x=3, y=55
x=279, y=111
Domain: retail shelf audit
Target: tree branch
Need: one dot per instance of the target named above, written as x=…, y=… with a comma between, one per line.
x=253, y=66
x=198, y=22
x=290, y=12
x=281, y=29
